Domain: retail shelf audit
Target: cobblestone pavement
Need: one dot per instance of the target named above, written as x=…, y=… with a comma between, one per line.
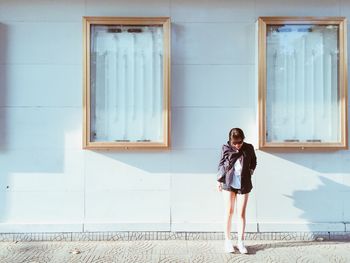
x=167, y=251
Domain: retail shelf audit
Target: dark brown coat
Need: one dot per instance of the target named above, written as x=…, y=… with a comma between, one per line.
x=229, y=155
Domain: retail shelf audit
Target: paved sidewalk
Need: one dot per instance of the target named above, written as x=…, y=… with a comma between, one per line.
x=176, y=251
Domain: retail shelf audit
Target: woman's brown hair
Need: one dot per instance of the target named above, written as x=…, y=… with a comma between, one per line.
x=236, y=134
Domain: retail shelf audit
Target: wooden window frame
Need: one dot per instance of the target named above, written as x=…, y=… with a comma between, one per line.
x=166, y=113
x=262, y=24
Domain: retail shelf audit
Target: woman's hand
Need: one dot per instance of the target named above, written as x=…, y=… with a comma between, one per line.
x=219, y=186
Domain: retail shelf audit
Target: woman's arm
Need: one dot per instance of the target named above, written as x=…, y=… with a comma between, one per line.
x=221, y=169
x=253, y=160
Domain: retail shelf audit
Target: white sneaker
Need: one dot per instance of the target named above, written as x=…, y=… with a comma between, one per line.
x=229, y=248
x=242, y=249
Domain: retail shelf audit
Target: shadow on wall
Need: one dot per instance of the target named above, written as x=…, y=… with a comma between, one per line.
x=174, y=161
x=322, y=162
x=309, y=186
x=28, y=120
x=326, y=203
x=28, y=162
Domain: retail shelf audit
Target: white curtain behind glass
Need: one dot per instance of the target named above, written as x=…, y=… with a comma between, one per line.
x=302, y=101
x=127, y=83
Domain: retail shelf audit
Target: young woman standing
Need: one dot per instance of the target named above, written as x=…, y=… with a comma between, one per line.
x=237, y=164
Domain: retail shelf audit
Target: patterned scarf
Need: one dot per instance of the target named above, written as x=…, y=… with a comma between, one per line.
x=229, y=156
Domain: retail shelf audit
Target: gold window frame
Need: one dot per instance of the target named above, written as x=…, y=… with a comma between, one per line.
x=262, y=24
x=88, y=22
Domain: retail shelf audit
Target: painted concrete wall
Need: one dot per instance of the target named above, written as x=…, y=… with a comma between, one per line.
x=48, y=183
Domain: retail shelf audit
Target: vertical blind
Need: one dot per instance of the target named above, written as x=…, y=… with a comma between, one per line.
x=302, y=99
x=126, y=83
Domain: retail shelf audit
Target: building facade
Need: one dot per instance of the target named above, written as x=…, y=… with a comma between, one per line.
x=50, y=183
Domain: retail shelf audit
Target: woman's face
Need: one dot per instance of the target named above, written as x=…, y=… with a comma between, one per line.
x=237, y=143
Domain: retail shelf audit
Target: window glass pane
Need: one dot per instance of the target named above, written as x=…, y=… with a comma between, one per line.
x=302, y=95
x=126, y=83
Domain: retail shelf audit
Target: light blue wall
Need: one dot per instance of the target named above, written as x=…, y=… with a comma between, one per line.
x=48, y=183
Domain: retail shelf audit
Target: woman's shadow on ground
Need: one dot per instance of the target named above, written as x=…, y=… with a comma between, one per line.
x=253, y=249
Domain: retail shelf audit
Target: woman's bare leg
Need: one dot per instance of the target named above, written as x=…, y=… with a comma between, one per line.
x=241, y=200
x=229, y=200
